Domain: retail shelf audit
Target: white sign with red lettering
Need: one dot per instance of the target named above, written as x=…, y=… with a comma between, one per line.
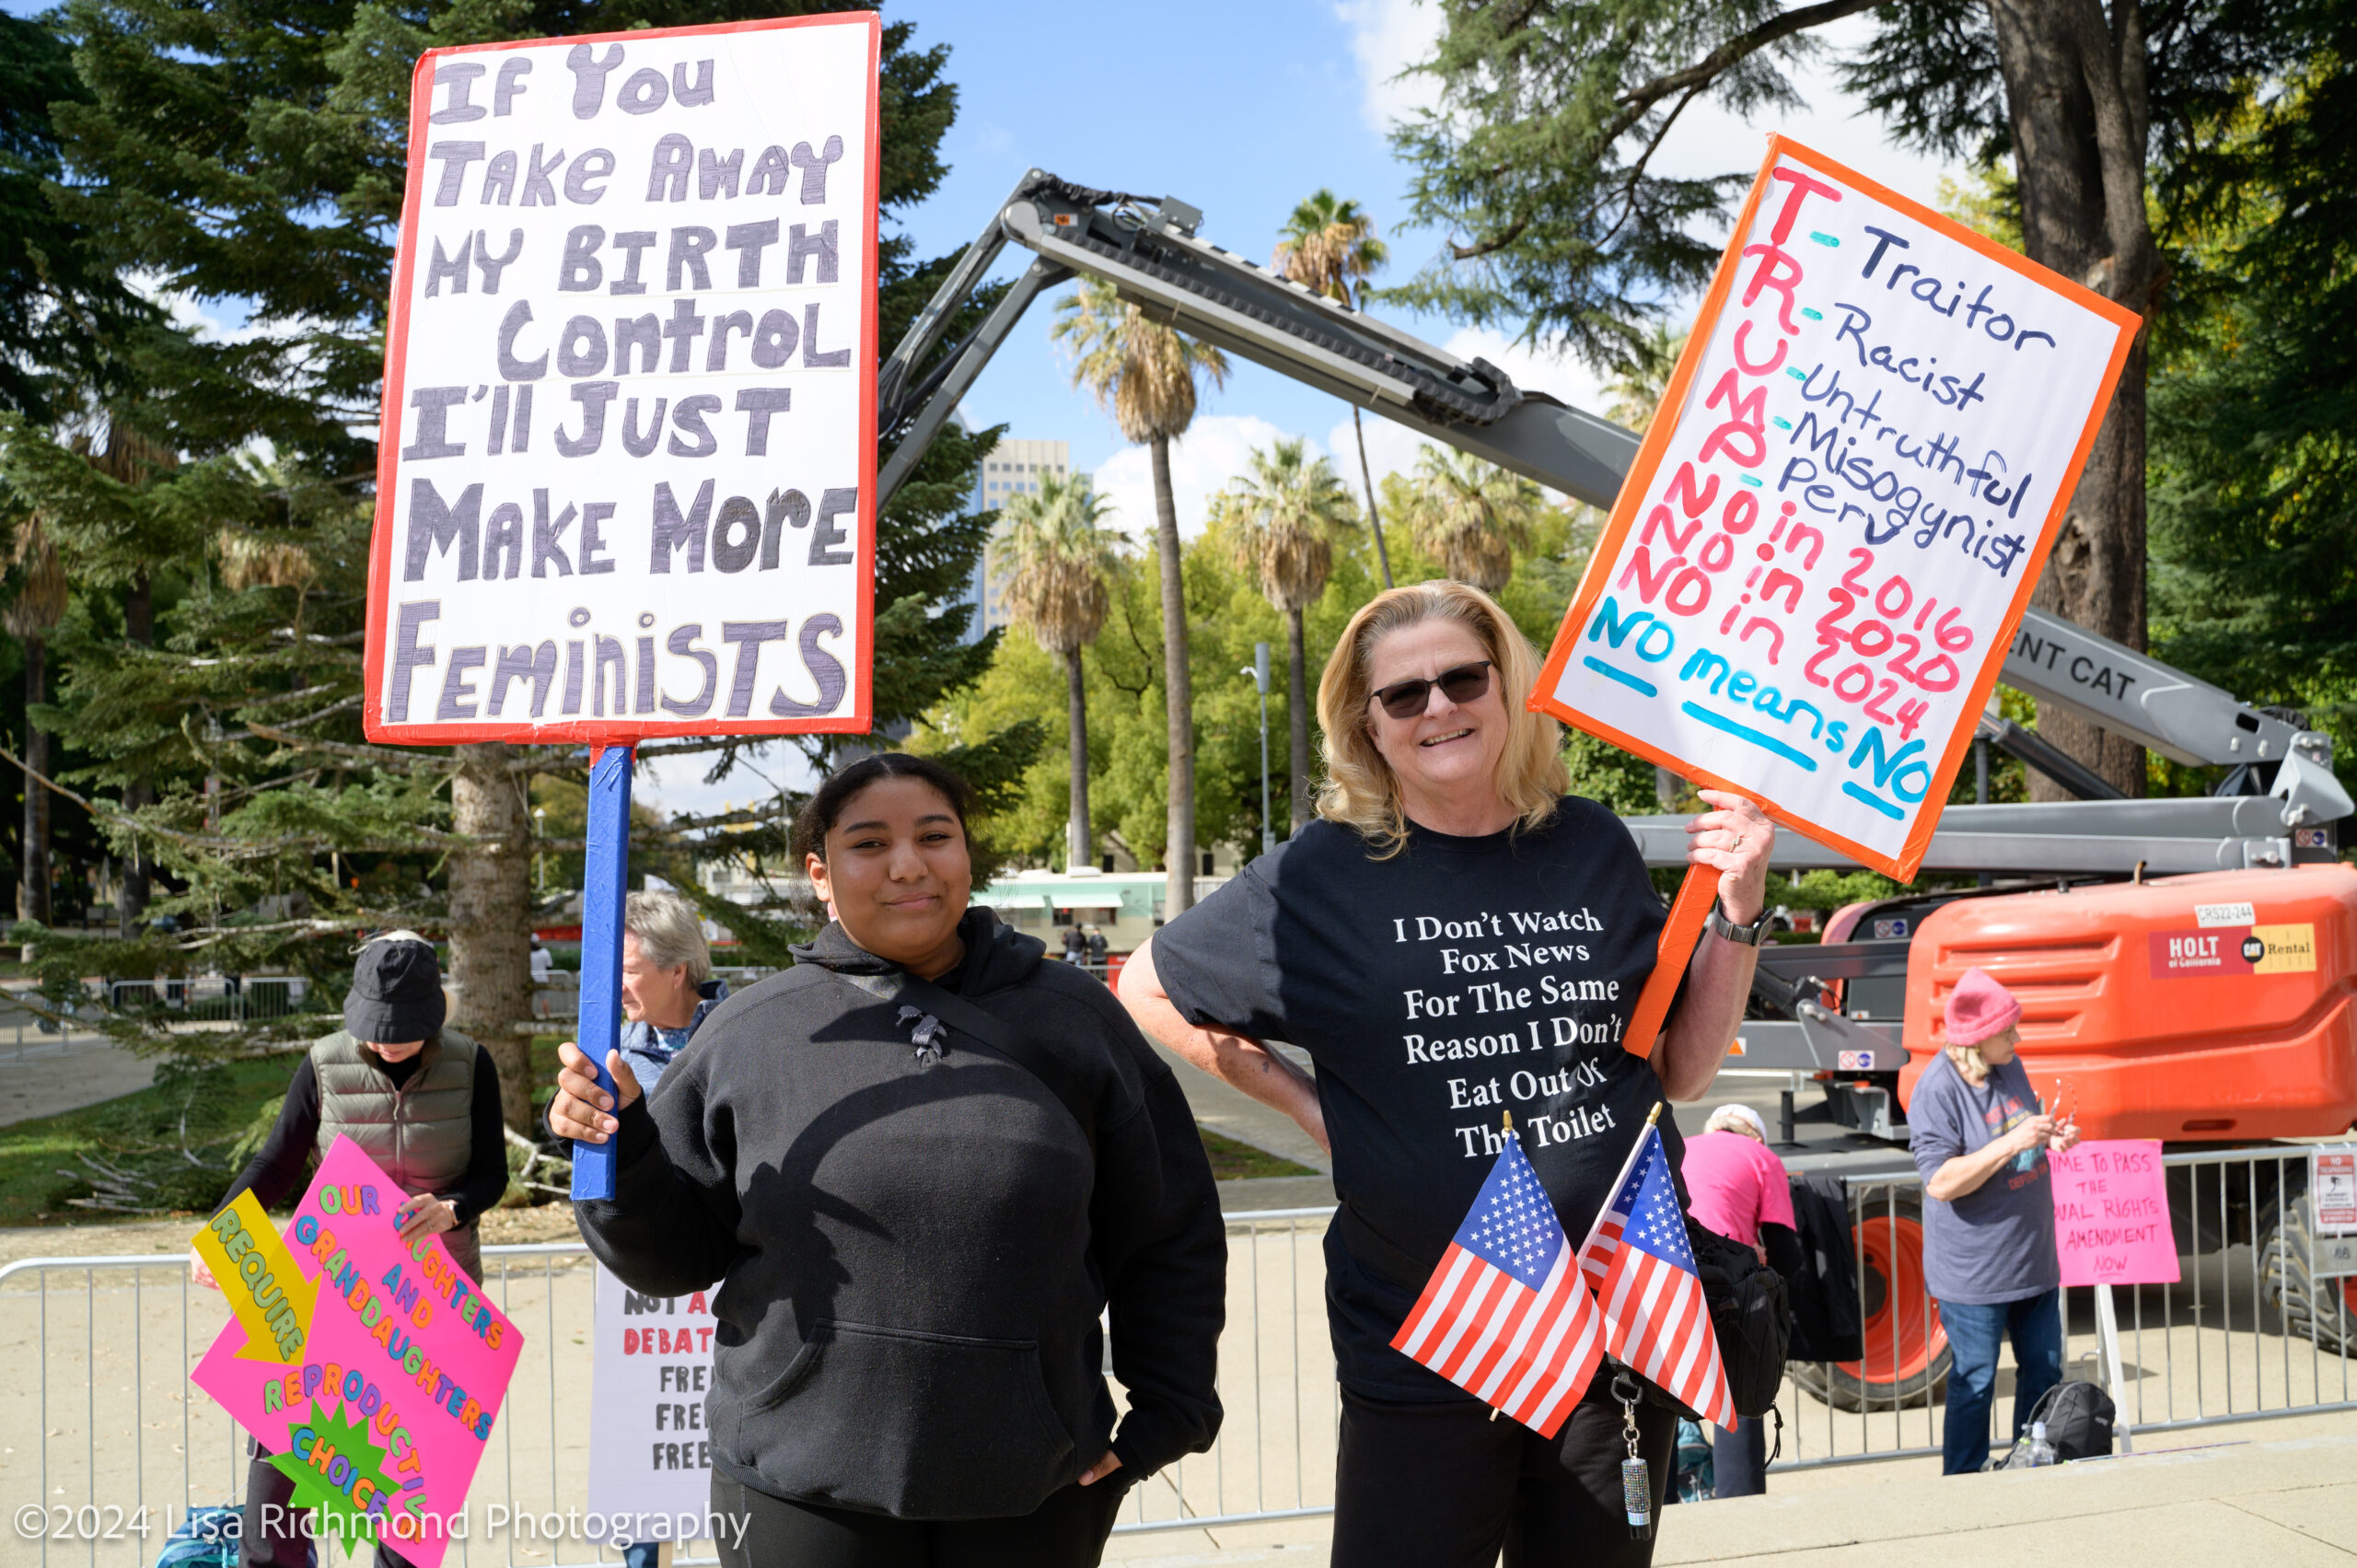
x=649, y=1451
x=1812, y=575
x=626, y=472
x=2332, y=1188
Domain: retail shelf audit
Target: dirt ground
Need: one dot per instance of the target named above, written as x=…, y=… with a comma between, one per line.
x=500, y=1227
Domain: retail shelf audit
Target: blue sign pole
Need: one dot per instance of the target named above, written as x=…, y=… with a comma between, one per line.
x=604, y=884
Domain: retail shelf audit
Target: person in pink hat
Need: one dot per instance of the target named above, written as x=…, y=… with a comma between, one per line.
x=1979, y=1137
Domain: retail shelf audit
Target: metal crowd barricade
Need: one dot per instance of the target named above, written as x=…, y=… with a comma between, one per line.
x=211, y=997
x=2228, y=1343
x=97, y=1417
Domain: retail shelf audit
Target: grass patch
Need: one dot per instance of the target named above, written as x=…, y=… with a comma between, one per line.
x=142, y=1136
x=1232, y=1161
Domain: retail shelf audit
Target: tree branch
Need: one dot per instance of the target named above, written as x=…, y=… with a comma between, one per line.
x=1705, y=71
x=1639, y=100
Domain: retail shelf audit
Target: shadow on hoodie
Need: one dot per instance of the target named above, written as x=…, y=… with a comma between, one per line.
x=913, y=1252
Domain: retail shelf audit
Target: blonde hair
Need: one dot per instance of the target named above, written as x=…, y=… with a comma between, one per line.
x=1970, y=1065
x=1360, y=790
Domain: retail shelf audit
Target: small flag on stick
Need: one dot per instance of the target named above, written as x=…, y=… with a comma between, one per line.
x=1506, y=1315
x=1642, y=1270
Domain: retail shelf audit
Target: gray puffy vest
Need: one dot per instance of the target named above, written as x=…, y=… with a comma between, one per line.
x=422, y=1133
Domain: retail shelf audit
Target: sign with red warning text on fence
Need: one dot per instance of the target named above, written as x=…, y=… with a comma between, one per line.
x=626, y=473
x=2332, y=1188
x=650, y=1453
x=1811, y=576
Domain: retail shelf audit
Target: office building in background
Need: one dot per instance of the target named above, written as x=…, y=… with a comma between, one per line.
x=1015, y=468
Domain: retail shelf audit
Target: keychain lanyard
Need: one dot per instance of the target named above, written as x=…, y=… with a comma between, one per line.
x=1636, y=1476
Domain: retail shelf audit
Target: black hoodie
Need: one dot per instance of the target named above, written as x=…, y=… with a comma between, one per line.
x=914, y=1257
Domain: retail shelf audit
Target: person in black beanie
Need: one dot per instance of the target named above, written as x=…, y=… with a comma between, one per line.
x=422, y=1099
x=920, y=1163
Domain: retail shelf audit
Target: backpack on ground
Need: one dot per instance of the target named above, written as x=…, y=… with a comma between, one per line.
x=2078, y=1417
x=207, y=1537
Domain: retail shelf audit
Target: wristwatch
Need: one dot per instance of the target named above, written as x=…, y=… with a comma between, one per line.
x=1722, y=927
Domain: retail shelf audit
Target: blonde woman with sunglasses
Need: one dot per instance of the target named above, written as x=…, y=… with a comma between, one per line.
x=1455, y=938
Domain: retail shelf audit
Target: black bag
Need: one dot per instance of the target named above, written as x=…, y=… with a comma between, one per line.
x=1751, y=1314
x=2078, y=1417
x=1821, y=1273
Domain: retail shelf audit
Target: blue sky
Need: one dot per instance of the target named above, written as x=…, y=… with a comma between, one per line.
x=1242, y=108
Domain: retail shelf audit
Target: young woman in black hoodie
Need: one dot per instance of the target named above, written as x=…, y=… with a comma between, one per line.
x=915, y=1231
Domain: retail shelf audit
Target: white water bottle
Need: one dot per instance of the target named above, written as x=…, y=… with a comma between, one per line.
x=2041, y=1451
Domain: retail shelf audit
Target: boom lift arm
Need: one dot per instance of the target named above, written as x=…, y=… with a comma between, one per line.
x=1148, y=248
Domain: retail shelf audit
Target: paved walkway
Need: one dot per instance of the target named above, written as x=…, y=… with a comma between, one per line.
x=44, y=1074
x=2279, y=1493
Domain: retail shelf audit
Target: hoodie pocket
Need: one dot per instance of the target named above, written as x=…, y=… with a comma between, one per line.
x=913, y=1424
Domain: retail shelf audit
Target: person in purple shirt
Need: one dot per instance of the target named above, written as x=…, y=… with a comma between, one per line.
x=1979, y=1137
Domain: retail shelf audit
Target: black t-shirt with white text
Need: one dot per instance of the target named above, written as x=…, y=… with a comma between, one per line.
x=1460, y=979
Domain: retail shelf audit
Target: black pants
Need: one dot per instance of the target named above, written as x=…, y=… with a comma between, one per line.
x=1444, y=1486
x=271, y=1532
x=1066, y=1531
x=1739, y=1459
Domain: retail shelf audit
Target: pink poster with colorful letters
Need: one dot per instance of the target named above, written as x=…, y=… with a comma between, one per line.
x=380, y=1405
x=2111, y=1214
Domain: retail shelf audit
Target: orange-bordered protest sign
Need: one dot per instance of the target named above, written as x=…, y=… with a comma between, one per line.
x=626, y=480
x=1808, y=585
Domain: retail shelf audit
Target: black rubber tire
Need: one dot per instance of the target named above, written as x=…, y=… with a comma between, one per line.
x=1866, y=1388
x=2320, y=1310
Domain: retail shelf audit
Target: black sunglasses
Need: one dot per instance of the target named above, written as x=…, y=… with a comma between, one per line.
x=1408, y=699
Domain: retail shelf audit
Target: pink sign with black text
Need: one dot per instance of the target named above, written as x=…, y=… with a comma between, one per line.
x=2111, y=1214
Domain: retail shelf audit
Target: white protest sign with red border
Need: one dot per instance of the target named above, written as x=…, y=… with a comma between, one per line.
x=1808, y=585
x=627, y=475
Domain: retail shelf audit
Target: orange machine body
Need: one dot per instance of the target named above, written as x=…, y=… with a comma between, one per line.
x=2218, y=1006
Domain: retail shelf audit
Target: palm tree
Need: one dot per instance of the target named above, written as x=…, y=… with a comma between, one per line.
x=1472, y=514
x=1060, y=555
x=1636, y=390
x=39, y=605
x=1324, y=245
x=1284, y=515
x=1144, y=374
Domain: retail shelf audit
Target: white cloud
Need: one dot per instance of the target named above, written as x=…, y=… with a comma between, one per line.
x=1387, y=37
x=674, y=785
x=1215, y=450
x=1391, y=448
x=1533, y=369
x=220, y=321
x=1710, y=139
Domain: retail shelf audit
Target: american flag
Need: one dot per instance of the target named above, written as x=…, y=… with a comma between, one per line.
x=1638, y=1261
x=1504, y=1316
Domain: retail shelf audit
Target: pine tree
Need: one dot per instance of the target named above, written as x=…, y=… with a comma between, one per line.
x=260, y=157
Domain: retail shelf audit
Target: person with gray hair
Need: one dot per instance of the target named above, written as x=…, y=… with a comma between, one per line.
x=668, y=988
x=668, y=984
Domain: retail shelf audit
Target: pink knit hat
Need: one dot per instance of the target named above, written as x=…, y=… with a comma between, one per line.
x=1979, y=1007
